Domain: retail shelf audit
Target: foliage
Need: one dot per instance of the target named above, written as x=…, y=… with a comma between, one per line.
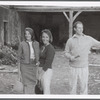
x=8, y=56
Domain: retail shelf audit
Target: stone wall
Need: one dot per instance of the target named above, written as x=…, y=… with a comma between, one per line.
x=3, y=18
x=14, y=27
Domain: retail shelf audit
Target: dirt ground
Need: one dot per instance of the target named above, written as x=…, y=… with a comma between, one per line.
x=60, y=80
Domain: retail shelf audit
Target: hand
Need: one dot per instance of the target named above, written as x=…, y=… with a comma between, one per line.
x=38, y=63
x=74, y=57
x=40, y=73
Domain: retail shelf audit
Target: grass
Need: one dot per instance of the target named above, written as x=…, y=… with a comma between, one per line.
x=60, y=80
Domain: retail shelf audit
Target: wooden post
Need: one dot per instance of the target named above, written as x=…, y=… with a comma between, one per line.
x=70, y=24
x=66, y=16
x=71, y=19
x=75, y=16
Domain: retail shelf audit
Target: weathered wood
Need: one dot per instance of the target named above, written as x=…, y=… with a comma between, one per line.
x=70, y=20
x=53, y=8
x=9, y=71
x=5, y=6
x=71, y=24
x=94, y=65
x=2, y=68
x=66, y=16
x=75, y=16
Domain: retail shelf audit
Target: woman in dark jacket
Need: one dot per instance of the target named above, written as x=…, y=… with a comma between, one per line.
x=29, y=59
x=46, y=58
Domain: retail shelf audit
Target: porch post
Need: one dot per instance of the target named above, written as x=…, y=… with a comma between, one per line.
x=71, y=19
x=70, y=24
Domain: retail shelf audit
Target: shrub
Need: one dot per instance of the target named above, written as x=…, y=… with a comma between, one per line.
x=8, y=56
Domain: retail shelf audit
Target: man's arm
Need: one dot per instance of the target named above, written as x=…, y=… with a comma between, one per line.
x=67, y=50
x=95, y=43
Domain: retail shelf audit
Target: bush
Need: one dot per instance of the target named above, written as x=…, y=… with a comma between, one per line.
x=8, y=56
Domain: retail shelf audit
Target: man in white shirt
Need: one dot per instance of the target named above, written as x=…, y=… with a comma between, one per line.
x=77, y=50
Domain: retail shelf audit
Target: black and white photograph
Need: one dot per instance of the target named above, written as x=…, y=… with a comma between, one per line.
x=50, y=48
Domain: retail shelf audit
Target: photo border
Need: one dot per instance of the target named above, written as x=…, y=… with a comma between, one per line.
x=48, y=97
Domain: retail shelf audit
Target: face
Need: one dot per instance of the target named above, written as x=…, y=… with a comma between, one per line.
x=27, y=35
x=45, y=38
x=79, y=29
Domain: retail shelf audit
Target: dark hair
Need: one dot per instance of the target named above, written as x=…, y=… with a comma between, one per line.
x=31, y=31
x=78, y=22
x=48, y=32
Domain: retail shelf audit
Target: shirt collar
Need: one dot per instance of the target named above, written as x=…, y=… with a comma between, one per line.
x=76, y=36
x=29, y=41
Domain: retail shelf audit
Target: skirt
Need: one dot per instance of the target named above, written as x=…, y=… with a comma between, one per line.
x=28, y=73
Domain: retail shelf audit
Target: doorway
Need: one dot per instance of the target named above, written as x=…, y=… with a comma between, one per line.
x=5, y=32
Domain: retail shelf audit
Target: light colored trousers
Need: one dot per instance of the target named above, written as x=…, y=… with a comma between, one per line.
x=82, y=75
x=46, y=80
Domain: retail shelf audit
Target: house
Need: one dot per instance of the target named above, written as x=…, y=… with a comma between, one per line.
x=14, y=19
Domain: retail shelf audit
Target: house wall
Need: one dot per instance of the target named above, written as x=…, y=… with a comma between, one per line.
x=56, y=22
x=14, y=27
x=3, y=17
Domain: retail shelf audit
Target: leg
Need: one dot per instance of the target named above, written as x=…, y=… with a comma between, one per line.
x=46, y=81
x=84, y=80
x=73, y=80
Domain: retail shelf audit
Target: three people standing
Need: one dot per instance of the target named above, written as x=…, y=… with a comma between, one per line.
x=76, y=50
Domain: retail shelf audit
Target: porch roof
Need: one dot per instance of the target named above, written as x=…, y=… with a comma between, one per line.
x=52, y=6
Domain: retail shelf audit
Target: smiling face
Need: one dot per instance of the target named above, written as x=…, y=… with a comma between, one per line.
x=79, y=29
x=28, y=35
x=45, y=38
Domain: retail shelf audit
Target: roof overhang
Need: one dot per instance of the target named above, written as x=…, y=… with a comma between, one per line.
x=53, y=8
x=44, y=6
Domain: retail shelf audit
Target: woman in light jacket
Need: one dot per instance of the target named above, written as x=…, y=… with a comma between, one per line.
x=29, y=59
x=46, y=58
